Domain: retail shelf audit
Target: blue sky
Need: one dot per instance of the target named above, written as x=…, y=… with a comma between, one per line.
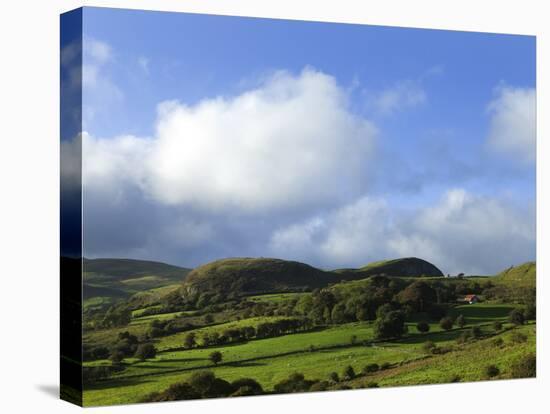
x=438, y=126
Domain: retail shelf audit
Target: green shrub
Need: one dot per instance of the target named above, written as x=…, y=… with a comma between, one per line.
x=516, y=317
x=385, y=365
x=423, y=327
x=497, y=325
x=333, y=376
x=145, y=351
x=460, y=321
x=349, y=373
x=446, y=323
x=370, y=368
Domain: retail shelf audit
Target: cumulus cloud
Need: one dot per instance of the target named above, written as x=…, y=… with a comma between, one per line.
x=513, y=124
x=462, y=232
x=402, y=95
x=291, y=142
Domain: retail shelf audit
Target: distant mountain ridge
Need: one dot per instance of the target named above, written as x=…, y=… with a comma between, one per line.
x=107, y=280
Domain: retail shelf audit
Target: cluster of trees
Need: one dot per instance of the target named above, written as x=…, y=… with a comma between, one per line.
x=158, y=328
x=263, y=330
x=205, y=384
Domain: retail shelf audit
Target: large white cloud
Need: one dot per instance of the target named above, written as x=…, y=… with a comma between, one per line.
x=291, y=142
x=462, y=232
x=513, y=124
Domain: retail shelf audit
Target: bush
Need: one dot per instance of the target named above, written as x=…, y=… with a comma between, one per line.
x=525, y=367
x=385, y=365
x=455, y=378
x=145, y=351
x=516, y=317
x=208, y=386
x=491, y=371
x=333, y=376
x=476, y=331
x=446, y=323
x=294, y=383
x=460, y=321
x=178, y=391
x=370, y=368
x=246, y=386
x=372, y=384
x=497, y=325
x=215, y=357
x=392, y=325
x=349, y=373
x=423, y=327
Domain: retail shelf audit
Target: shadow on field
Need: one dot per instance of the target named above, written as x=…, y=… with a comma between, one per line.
x=115, y=382
x=51, y=390
x=244, y=364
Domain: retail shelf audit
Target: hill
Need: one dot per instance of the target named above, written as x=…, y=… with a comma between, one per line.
x=108, y=280
x=254, y=275
x=522, y=275
x=262, y=275
x=404, y=267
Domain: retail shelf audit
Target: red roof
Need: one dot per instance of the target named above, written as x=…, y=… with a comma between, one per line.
x=469, y=297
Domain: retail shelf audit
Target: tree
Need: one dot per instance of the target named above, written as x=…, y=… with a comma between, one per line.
x=145, y=351
x=349, y=373
x=246, y=386
x=516, y=317
x=215, y=357
x=460, y=321
x=208, y=386
x=189, y=341
x=383, y=310
x=338, y=314
x=423, y=327
x=420, y=295
x=392, y=325
x=333, y=376
x=446, y=323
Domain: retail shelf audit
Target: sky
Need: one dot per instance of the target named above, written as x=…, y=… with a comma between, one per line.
x=206, y=137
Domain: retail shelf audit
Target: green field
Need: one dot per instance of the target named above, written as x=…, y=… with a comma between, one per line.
x=320, y=343
x=271, y=360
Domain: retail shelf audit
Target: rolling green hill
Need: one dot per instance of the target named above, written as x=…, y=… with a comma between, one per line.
x=262, y=275
x=108, y=280
x=404, y=267
x=254, y=275
x=524, y=275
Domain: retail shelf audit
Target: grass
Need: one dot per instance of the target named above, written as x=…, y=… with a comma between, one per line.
x=274, y=297
x=271, y=360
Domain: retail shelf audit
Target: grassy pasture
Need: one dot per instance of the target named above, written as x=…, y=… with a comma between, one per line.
x=273, y=359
